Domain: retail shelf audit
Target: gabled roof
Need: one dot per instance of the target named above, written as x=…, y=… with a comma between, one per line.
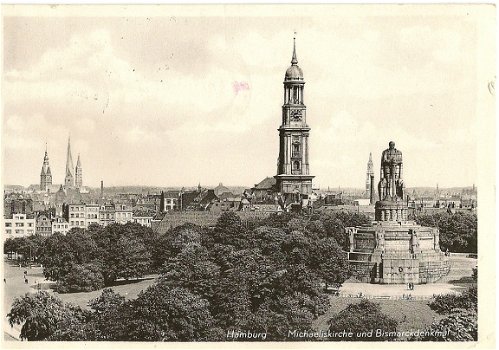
x=266, y=184
x=171, y=194
x=220, y=189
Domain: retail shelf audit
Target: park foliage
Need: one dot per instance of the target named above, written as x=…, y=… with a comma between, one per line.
x=266, y=275
x=458, y=231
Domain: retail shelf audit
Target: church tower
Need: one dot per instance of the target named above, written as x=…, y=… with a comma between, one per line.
x=293, y=179
x=79, y=173
x=370, y=173
x=45, y=174
x=69, y=178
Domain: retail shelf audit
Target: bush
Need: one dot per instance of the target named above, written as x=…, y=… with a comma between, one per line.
x=444, y=304
x=460, y=325
x=363, y=319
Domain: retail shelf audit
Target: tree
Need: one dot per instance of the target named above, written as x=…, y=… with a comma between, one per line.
x=57, y=257
x=230, y=230
x=61, y=252
x=161, y=313
x=362, y=319
x=107, y=313
x=458, y=231
x=81, y=278
x=42, y=315
x=131, y=259
x=329, y=262
x=122, y=253
x=336, y=222
x=192, y=269
x=28, y=247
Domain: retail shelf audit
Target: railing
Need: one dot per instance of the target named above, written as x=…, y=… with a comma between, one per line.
x=387, y=297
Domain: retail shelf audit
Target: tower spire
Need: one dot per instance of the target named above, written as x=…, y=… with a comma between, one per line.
x=294, y=60
x=45, y=174
x=69, y=178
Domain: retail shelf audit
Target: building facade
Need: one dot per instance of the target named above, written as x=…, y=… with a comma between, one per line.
x=293, y=179
x=60, y=225
x=75, y=215
x=19, y=225
x=82, y=215
x=43, y=225
x=123, y=214
x=142, y=219
x=92, y=214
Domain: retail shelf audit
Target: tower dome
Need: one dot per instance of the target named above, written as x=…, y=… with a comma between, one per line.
x=294, y=72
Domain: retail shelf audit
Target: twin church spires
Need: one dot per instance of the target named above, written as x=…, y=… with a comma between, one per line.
x=72, y=179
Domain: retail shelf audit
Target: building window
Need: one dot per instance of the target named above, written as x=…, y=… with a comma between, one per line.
x=8, y=224
x=296, y=165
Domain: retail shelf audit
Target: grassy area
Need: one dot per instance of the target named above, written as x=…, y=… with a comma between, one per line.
x=15, y=286
x=129, y=290
x=410, y=314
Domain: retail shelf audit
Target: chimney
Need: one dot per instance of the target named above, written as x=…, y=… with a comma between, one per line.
x=102, y=189
x=162, y=202
x=372, y=190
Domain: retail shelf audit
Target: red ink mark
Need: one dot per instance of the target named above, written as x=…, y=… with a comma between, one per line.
x=240, y=86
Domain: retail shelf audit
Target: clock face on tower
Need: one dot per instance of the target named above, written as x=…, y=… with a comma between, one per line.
x=295, y=114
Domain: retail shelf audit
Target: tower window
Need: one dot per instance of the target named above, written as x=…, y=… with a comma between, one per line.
x=296, y=165
x=296, y=150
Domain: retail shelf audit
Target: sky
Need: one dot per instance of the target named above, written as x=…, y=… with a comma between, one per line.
x=177, y=100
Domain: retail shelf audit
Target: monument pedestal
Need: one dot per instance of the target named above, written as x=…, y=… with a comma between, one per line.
x=389, y=252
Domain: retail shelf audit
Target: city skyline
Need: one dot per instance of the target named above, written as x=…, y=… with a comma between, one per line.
x=146, y=108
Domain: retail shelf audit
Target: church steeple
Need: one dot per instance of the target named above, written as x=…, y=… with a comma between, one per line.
x=45, y=174
x=69, y=177
x=369, y=176
x=294, y=60
x=79, y=173
x=293, y=177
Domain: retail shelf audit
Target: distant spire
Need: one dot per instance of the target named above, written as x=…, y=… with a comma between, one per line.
x=78, y=162
x=370, y=157
x=294, y=60
x=69, y=177
x=69, y=159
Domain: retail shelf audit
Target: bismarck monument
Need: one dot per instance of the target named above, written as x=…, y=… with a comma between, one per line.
x=393, y=249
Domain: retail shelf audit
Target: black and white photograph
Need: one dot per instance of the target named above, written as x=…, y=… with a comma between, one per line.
x=249, y=173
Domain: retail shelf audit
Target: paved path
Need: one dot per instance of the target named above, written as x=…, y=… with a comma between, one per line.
x=458, y=279
x=14, y=287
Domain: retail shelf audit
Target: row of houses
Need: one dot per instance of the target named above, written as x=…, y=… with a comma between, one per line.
x=73, y=216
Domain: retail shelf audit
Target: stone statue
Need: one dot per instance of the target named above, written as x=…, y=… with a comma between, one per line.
x=391, y=185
